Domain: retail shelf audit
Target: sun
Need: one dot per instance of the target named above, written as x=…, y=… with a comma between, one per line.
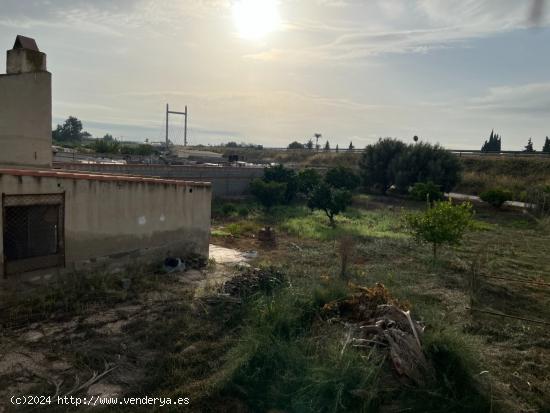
x=255, y=18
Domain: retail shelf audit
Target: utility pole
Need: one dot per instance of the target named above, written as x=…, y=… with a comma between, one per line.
x=185, y=128
x=168, y=111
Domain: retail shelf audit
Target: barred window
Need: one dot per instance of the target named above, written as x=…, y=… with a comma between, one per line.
x=33, y=232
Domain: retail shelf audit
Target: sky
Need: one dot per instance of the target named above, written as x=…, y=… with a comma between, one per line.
x=273, y=71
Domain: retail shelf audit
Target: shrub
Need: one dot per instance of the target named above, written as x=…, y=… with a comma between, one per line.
x=307, y=180
x=283, y=175
x=442, y=223
x=243, y=211
x=330, y=200
x=456, y=384
x=391, y=162
x=228, y=209
x=342, y=178
x=376, y=161
x=268, y=193
x=496, y=197
x=426, y=191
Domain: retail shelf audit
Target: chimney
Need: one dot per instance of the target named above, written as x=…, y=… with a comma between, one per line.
x=25, y=57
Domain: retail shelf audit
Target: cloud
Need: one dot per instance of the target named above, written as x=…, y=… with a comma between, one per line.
x=105, y=16
x=530, y=99
x=402, y=26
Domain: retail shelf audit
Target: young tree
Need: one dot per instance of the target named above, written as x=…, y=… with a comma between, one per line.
x=496, y=197
x=529, y=147
x=443, y=223
x=268, y=194
x=327, y=146
x=351, y=147
x=330, y=200
x=426, y=191
x=283, y=175
x=307, y=180
x=342, y=177
x=296, y=145
x=546, y=147
x=337, y=148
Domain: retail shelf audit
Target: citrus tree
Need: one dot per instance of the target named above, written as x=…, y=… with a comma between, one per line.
x=442, y=223
x=330, y=200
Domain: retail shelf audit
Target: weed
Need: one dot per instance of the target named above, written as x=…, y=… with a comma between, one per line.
x=282, y=361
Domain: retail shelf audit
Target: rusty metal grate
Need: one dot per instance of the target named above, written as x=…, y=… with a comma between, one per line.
x=33, y=227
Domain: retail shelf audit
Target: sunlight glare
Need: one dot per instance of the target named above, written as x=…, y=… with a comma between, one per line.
x=255, y=18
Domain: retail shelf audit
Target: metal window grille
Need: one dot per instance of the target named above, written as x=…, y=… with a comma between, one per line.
x=33, y=232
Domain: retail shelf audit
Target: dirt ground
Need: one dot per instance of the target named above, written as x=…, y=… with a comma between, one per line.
x=96, y=352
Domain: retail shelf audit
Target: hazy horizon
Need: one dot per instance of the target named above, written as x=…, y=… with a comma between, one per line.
x=270, y=72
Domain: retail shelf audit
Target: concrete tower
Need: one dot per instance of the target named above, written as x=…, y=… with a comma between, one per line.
x=26, y=107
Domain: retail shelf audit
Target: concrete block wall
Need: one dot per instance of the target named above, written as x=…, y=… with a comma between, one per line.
x=227, y=181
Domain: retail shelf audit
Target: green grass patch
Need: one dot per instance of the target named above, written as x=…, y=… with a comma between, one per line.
x=300, y=221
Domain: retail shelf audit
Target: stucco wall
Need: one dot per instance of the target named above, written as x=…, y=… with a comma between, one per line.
x=25, y=119
x=115, y=218
x=227, y=181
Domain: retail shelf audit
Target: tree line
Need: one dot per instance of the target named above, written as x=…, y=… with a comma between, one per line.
x=309, y=145
x=494, y=144
x=71, y=134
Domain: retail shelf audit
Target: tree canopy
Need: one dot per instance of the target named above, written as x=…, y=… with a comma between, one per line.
x=295, y=145
x=391, y=162
x=70, y=131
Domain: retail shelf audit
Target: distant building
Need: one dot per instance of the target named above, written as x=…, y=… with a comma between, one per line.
x=59, y=220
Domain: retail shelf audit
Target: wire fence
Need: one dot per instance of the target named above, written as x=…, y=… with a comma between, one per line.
x=474, y=288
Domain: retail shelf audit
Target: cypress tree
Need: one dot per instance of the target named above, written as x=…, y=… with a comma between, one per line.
x=546, y=147
x=529, y=146
x=494, y=143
